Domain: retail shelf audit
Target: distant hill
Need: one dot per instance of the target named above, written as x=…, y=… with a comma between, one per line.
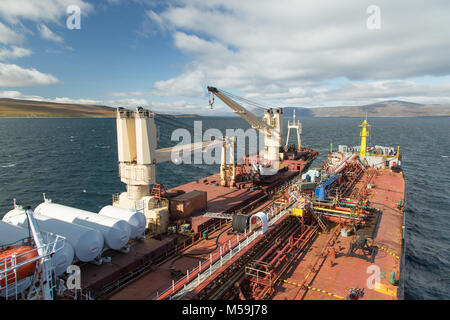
x=40, y=109
x=391, y=108
x=299, y=112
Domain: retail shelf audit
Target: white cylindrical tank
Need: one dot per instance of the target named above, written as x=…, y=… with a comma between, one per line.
x=64, y=253
x=11, y=234
x=115, y=232
x=87, y=242
x=135, y=219
x=22, y=285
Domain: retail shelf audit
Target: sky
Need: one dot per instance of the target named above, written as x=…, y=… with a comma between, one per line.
x=162, y=54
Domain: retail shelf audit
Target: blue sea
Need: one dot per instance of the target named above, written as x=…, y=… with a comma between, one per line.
x=74, y=162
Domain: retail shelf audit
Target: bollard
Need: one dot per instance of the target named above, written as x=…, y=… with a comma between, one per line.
x=333, y=253
x=392, y=278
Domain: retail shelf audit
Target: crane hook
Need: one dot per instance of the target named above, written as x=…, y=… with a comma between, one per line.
x=211, y=103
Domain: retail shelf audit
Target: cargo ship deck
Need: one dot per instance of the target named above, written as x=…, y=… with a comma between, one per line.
x=154, y=262
x=297, y=260
x=320, y=276
x=322, y=271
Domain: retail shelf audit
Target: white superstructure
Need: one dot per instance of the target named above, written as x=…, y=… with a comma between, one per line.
x=136, y=145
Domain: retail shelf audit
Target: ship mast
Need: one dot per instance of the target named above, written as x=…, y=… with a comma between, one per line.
x=364, y=135
x=46, y=260
x=298, y=127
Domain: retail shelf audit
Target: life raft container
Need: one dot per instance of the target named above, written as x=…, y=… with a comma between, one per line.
x=23, y=254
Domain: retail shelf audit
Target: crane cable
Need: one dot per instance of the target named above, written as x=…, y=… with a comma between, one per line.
x=243, y=100
x=170, y=119
x=174, y=123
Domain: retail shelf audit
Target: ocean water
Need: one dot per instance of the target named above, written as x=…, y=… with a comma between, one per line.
x=74, y=162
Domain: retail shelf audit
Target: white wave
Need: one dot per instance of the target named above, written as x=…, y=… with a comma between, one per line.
x=10, y=165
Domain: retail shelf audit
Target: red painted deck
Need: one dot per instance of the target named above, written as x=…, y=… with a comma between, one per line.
x=95, y=277
x=345, y=272
x=220, y=200
x=160, y=278
x=350, y=272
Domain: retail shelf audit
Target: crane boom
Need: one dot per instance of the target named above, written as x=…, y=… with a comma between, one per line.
x=255, y=122
x=165, y=154
x=271, y=125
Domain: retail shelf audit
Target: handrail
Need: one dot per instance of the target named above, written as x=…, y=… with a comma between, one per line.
x=176, y=286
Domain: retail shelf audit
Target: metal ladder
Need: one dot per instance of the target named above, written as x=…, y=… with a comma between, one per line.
x=218, y=215
x=323, y=225
x=158, y=190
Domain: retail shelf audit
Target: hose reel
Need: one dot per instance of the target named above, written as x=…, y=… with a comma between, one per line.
x=240, y=222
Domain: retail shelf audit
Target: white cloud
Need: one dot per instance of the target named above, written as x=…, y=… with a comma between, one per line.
x=48, y=11
x=357, y=93
x=12, y=75
x=48, y=34
x=8, y=36
x=126, y=103
x=10, y=94
x=128, y=94
x=291, y=51
x=15, y=52
x=154, y=17
x=14, y=12
x=188, y=84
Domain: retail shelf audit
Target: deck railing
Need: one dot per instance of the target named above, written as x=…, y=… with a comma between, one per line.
x=9, y=266
x=195, y=277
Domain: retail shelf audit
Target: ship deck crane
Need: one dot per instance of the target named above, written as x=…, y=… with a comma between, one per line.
x=137, y=138
x=271, y=125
